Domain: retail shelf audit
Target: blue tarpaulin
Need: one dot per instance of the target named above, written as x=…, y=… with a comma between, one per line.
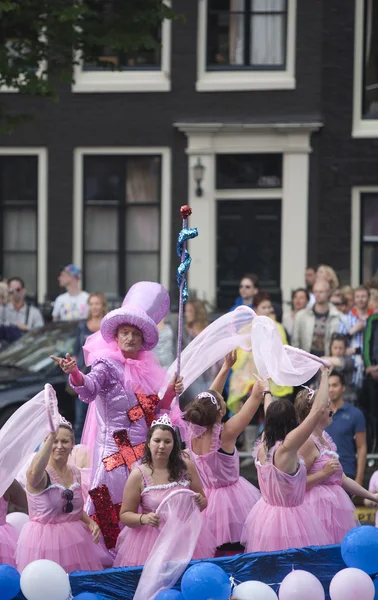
x=271, y=568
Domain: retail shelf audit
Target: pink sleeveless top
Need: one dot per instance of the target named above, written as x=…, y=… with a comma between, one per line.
x=152, y=494
x=216, y=469
x=47, y=506
x=327, y=451
x=279, y=488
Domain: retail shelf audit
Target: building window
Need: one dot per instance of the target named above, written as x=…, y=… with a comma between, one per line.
x=246, y=34
x=122, y=205
x=246, y=45
x=248, y=171
x=370, y=61
x=144, y=70
x=19, y=218
x=369, y=236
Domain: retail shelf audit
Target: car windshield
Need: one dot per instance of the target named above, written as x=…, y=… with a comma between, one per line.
x=31, y=352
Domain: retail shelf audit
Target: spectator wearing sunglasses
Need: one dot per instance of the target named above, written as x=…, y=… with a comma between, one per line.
x=19, y=312
x=248, y=288
x=59, y=529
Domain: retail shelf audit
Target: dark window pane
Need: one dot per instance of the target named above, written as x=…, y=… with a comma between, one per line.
x=246, y=34
x=370, y=215
x=141, y=267
x=370, y=83
x=240, y=251
x=101, y=273
x=143, y=179
x=24, y=265
x=113, y=60
x=142, y=228
x=249, y=171
x=19, y=179
x=104, y=177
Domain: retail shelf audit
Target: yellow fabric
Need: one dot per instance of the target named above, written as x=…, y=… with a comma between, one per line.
x=242, y=379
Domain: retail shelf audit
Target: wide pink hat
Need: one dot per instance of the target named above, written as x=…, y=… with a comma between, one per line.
x=145, y=305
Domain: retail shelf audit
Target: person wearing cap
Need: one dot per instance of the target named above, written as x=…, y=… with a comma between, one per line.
x=73, y=304
x=122, y=392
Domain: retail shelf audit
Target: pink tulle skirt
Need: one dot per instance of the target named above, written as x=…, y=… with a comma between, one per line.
x=227, y=509
x=135, y=544
x=334, y=508
x=69, y=544
x=8, y=542
x=269, y=528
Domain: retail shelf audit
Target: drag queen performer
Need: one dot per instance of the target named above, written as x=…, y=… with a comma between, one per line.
x=162, y=470
x=280, y=519
x=58, y=529
x=8, y=534
x=211, y=447
x=326, y=480
x=122, y=386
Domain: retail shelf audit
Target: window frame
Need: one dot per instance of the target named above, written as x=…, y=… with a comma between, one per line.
x=42, y=212
x=152, y=79
x=240, y=79
x=165, y=201
x=357, y=233
x=361, y=128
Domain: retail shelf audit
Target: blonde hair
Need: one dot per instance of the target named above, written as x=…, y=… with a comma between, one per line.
x=373, y=299
x=200, y=313
x=331, y=276
x=103, y=301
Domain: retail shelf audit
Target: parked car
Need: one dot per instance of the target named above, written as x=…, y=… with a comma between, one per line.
x=25, y=367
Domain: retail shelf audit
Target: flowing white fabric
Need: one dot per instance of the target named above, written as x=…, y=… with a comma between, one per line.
x=181, y=524
x=23, y=432
x=242, y=328
x=285, y=365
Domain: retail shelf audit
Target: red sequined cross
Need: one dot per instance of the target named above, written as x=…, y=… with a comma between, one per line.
x=148, y=404
x=127, y=454
x=106, y=515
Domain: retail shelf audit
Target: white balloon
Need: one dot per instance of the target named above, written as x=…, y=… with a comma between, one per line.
x=45, y=580
x=18, y=520
x=255, y=590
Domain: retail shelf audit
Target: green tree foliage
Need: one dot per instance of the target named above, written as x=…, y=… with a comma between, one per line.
x=42, y=40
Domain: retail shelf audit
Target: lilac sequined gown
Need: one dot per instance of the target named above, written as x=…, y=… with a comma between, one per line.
x=123, y=419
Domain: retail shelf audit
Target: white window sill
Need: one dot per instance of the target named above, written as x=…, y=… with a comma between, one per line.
x=365, y=128
x=244, y=80
x=97, y=82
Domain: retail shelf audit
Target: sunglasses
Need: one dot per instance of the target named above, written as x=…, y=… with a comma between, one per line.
x=68, y=496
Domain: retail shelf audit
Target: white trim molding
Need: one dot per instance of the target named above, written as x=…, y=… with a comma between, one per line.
x=165, y=215
x=361, y=128
x=42, y=212
x=240, y=80
x=143, y=80
x=355, y=226
x=290, y=139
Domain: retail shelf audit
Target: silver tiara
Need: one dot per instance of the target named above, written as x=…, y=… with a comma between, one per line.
x=210, y=396
x=163, y=420
x=310, y=392
x=63, y=421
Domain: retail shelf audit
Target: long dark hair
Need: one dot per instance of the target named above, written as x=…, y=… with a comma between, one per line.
x=280, y=419
x=176, y=465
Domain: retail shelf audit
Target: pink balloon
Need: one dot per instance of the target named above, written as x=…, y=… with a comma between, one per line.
x=18, y=520
x=351, y=584
x=300, y=585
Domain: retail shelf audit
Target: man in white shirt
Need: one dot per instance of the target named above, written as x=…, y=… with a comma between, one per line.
x=73, y=305
x=17, y=311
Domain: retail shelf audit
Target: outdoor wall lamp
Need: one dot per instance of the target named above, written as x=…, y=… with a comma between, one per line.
x=198, y=173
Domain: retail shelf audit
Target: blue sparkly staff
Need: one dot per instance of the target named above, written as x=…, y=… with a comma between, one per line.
x=185, y=234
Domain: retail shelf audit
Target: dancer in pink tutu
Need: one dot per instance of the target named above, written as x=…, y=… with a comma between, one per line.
x=122, y=390
x=59, y=529
x=280, y=519
x=327, y=485
x=162, y=470
x=8, y=534
x=211, y=446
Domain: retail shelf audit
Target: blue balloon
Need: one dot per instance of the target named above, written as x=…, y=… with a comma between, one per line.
x=205, y=581
x=359, y=549
x=87, y=596
x=9, y=582
x=169, y=595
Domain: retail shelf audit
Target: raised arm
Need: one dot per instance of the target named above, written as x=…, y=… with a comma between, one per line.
x=296, y=438
x=16, y=494
x=220, y=380
x=36, y=477
x=234, y=426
